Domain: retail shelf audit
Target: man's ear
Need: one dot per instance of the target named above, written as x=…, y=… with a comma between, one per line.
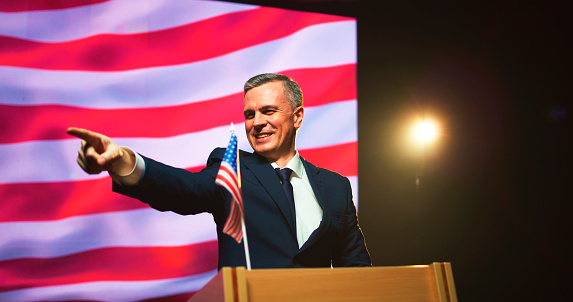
x=297, y=116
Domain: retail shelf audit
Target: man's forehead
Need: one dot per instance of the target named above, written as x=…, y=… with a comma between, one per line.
x=266, y=95
x=259, y=103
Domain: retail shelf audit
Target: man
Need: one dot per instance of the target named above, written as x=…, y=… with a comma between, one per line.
x=319, y=230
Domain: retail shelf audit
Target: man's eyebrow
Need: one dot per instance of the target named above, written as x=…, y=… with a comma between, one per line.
x=269, y=107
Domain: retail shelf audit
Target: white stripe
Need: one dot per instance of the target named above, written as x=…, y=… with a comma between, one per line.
x=135, y=228
x=46, y=161
x=180, y=84
x=231, y=179
x=111, y=290
x=222, y=176
x=354, y=185
x=331, y=124
x=113, y=17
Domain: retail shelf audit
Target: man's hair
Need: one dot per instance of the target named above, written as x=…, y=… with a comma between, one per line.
x=293, y=93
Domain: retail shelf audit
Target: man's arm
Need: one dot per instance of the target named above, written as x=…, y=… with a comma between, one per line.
x=166, y=188
x=163, y=187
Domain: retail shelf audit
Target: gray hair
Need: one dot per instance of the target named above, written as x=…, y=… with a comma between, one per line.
x=293, y=93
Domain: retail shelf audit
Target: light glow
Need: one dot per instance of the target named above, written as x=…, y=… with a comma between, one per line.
x=425, y=132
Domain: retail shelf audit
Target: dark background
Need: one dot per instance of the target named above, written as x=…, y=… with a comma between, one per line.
x=493, y=194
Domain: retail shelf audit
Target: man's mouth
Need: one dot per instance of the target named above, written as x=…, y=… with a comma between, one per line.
x=262, y=135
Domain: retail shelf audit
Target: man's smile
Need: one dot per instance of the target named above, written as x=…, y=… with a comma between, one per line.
x=263, y=136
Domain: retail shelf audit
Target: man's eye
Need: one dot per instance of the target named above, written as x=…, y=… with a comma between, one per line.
x=249, y=115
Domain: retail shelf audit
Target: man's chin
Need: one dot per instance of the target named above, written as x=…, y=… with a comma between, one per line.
x=262, y=151
x=265, y=152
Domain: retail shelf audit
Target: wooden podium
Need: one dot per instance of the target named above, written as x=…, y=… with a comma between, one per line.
x=432, y=282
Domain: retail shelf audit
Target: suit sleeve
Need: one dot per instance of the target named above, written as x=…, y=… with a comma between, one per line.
x=350, y=247
x=166, y=188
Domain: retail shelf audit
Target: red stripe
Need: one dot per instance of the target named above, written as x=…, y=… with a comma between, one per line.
x=11, y=6
x=232, y=185
x=227, y=170
x=174, y=298
x=341, y=159
x=48, y=122
x=110, y=264
x=75, y=300
x=183, y=44
x=58, y=200
x=325, y=85
x=232, y=226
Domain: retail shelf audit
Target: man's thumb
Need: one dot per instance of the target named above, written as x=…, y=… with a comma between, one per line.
x=109, y=155
x=101, y=160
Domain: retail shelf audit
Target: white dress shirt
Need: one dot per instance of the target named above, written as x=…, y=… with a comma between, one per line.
x=308, y=211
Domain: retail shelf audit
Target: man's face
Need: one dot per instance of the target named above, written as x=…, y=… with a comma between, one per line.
x=270, y=122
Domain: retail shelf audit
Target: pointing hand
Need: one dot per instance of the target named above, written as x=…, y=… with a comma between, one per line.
x=98, y=152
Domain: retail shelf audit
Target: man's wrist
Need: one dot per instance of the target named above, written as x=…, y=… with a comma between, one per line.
x=132, y=168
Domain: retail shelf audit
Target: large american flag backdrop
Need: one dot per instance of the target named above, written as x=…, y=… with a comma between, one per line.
x=165, y=78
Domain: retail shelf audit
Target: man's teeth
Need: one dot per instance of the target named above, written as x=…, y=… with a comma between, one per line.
x=263, y=135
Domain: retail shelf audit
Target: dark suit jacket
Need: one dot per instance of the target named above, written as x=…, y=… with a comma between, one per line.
x=270, y=228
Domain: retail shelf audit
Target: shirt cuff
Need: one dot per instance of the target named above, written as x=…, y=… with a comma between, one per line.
x=132, y=178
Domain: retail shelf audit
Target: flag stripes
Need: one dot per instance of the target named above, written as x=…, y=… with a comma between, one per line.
x=113, y=290
x=117, y=263
x=228, y=177
x=57, y=240
x=184, y=44
x=48, y=160
x=58, y=200
x=188, y=82
x=164, y=78
x=113, y=17
x=338, y=86
x=32, y=5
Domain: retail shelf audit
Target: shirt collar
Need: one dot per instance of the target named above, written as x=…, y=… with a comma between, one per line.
x=295, y=164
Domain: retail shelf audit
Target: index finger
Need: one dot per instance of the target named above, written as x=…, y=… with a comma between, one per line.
x=90, y=137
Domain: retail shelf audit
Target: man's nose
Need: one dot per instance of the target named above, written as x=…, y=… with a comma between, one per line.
x=259, y=120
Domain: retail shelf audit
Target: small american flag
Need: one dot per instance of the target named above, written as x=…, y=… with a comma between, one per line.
x=230, y=179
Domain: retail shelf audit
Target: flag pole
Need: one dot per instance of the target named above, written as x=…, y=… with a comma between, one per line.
x=244, y=229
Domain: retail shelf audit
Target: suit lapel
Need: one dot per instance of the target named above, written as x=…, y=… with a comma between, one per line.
x=267, y=177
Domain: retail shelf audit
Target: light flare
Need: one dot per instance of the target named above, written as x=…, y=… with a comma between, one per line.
x=425, y=132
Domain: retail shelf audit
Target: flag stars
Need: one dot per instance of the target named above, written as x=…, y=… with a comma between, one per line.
x=231, y=154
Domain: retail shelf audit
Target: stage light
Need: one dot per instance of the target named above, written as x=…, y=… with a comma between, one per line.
x=425, y=132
